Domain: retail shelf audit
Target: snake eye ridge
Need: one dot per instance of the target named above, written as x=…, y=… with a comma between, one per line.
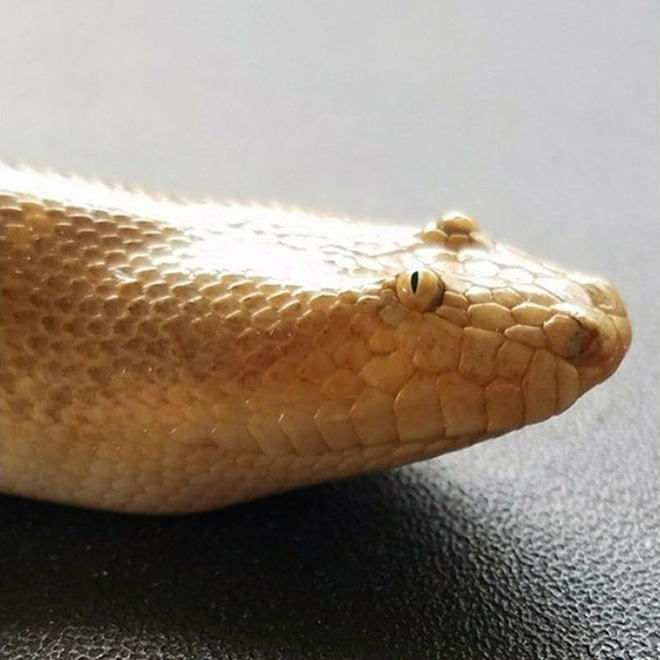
x=421, y=290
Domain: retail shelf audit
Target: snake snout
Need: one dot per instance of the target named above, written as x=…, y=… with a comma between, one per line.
x=614, y=330
x=602, y=332
x=604, y=297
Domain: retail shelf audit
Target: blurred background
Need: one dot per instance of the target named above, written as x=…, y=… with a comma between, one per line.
x=539, y=118
x=528, y=115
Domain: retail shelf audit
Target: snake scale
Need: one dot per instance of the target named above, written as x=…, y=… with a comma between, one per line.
x=161, y=356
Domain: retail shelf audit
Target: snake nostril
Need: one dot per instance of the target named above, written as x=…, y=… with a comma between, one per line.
x=583, y=335
x=569, y=337
x=590, y=345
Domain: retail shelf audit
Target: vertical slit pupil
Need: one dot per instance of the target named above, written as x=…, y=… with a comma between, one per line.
x=414, y=281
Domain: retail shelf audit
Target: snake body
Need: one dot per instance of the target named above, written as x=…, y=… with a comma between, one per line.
x=167, y=356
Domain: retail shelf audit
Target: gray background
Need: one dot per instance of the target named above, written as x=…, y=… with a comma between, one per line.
x=540, y=118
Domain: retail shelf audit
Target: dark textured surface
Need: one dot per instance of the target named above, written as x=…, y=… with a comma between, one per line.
x=541, y=545
x=539, y=118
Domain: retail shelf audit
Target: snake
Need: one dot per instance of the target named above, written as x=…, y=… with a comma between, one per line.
x=162, y=355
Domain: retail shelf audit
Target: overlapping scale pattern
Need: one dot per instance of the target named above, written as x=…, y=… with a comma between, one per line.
x=166, y=356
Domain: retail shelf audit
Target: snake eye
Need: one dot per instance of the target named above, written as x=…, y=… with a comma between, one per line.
x=421, y=290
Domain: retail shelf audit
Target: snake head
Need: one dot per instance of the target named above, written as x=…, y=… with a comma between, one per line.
x=498, y=338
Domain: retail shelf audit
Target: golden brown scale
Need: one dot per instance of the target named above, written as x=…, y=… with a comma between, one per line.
x=160, y=356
